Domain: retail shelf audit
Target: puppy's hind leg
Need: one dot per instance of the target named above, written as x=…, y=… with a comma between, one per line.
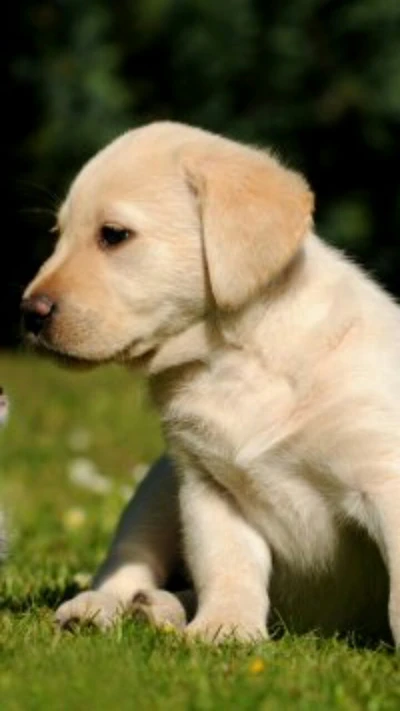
x=142, y=555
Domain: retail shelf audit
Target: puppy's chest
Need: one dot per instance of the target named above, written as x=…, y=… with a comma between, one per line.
x=235, y=425
x=225, y=418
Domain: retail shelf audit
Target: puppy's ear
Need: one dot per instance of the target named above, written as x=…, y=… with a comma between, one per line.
x=254, y=214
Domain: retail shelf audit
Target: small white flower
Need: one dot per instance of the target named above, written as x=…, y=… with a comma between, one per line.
x=83, y=472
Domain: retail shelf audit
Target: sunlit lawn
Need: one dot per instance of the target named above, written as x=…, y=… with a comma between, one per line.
x=75, y=445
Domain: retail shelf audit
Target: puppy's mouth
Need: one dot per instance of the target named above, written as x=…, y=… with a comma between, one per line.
x=132, y=352
x=63, y=358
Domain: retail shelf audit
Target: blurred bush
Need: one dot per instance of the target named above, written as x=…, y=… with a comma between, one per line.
x=318, y=80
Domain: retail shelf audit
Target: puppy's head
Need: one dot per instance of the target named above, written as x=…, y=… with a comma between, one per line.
x=164, y=224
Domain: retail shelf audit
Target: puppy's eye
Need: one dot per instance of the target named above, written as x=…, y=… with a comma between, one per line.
x=111, y=235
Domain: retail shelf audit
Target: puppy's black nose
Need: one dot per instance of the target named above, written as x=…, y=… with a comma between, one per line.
x=36, y=311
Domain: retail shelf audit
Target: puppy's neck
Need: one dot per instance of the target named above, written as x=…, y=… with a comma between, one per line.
x=193, y=345
x=218, y=331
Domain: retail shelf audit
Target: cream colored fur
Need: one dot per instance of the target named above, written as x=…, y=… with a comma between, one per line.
x=275, y=365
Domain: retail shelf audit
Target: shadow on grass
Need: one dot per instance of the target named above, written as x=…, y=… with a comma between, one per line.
x=355, y=639
x=48, y=597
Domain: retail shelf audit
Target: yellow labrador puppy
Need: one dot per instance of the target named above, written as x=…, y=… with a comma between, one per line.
x=275, y=364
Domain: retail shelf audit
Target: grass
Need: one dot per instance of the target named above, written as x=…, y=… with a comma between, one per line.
x=60, y=531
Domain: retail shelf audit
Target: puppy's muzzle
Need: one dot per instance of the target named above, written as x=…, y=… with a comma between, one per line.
x=37, y=312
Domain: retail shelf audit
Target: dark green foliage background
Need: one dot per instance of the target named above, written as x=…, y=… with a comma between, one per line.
x=317, y=80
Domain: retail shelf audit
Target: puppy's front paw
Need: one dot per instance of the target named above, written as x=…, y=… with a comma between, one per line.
x=218, y=629
x=160, y=608
x=95, y=607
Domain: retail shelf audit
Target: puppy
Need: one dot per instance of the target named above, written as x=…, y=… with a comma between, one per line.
x=275, y=366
